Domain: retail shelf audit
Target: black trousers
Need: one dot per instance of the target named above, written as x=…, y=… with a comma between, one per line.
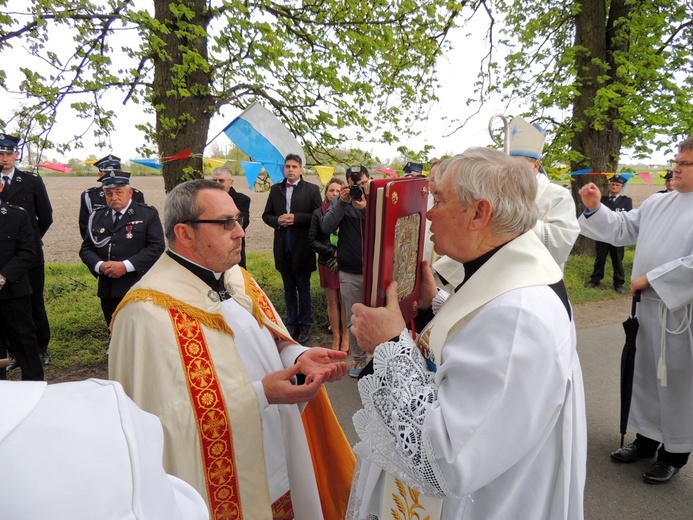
x=604, y=250
x=18, y=331
x=108, y=306
x=678, y=460
x=37, y=280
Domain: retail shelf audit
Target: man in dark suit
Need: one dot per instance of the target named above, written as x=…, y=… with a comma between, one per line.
x=17, y=252
x=224, y=175
x=615, y=202
x=124, y=239
x=94, y=198
x=289, y=208
x=27, y=191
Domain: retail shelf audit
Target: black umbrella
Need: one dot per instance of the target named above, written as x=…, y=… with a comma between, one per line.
x=630, y=326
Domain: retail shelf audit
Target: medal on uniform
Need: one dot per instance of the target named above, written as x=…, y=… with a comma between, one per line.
x=102, y=230
x=128, y=229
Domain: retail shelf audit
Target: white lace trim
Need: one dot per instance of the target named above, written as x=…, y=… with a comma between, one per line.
x=355, y=501
x=439, y=300
x=396, y=399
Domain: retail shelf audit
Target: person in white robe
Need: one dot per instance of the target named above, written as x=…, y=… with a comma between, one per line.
x=199, y=344
x=83, y=450
x=662, y=403
x=482, y=415
x=556, y=226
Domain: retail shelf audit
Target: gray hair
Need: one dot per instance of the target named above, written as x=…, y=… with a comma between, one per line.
x=181, y=204
x=223, y=169
x=508, y=183
x=686, y=145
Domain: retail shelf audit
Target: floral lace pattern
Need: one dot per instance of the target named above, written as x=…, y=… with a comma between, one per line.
x=396, y=399
x=439, y=300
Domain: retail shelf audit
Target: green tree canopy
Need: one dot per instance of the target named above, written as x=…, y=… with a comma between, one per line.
x=329, y=70
x=602, y=75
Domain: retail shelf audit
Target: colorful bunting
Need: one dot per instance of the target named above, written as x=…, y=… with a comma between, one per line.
x=149, y=163
x=325, y=173
x=213, y=163
x=57, y=167
x=251, y=170
x=184, y=154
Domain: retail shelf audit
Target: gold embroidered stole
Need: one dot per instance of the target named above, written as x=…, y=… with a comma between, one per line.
x=211, y=414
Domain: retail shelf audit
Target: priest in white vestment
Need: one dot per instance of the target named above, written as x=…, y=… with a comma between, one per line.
x=482, y=415
x=662, y=404
x=199, y=344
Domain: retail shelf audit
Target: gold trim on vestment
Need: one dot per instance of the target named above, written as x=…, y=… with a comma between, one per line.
x=211, y=416
x=168, y=302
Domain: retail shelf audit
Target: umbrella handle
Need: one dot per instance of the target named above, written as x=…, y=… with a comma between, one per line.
x=636, y=299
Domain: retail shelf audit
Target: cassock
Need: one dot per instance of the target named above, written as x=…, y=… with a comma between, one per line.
x=662, y=402
x=484, y=416
x=184, y=346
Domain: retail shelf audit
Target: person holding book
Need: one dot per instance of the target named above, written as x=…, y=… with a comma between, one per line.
x=348, y=214
x=482, y=414
x=328, y=269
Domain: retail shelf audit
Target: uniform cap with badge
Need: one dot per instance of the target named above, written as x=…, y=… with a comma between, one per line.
x=618, y=179
x=8, y=143
x=114, y=179
x=107, y=164
x=413, y=168
x=669, y=175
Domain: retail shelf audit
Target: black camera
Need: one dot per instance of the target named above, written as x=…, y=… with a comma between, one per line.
x=355, y=174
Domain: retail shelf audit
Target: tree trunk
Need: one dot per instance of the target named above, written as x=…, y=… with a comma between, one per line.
x=597, y=140
x=181, y=94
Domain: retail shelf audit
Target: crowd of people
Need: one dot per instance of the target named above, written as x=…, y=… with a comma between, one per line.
x=217, y=408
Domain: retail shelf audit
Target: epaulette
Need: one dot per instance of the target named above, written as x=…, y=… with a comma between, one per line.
x=104, y=208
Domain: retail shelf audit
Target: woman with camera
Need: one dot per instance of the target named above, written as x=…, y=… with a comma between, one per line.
x=325, y=245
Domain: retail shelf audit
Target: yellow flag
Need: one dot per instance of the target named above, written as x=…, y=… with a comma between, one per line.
x=325, y=173
x=213, y=163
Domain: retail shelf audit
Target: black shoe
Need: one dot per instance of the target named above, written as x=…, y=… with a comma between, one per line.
x=591, y=285
x=619, y=289
x=45, y=359
x=629, y=454
x=659, y=473
x=303, y=337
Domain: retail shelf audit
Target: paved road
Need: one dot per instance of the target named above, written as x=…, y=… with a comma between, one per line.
x=614, y=491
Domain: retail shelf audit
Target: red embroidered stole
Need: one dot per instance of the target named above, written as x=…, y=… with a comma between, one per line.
x=211, y=414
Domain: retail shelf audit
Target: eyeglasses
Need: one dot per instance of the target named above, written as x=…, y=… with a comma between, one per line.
x=682, y=164
x=228, y=223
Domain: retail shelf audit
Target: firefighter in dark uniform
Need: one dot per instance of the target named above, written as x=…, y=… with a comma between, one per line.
x=28, y=191
x=17, y=252
x=124, y=239
x=93, y=198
